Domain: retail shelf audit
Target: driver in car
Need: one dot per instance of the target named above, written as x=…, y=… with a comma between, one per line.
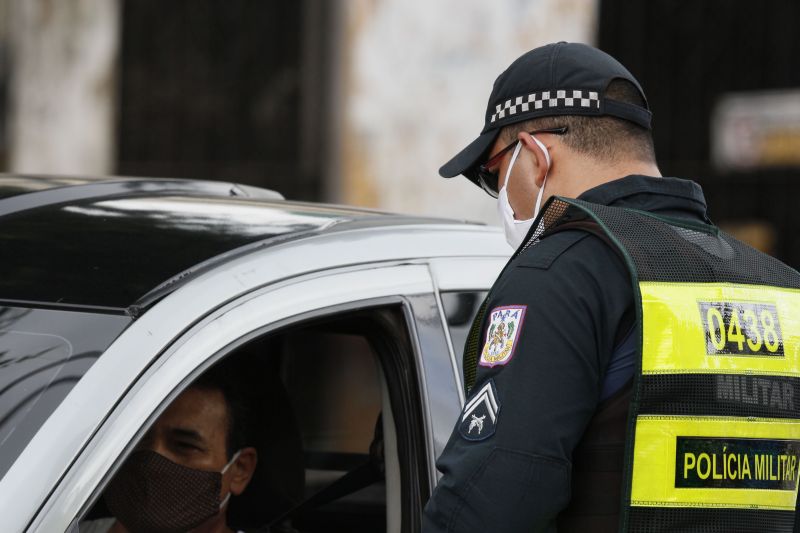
x=191, y=462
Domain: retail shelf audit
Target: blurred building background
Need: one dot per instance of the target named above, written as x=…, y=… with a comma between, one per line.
x=360, y=101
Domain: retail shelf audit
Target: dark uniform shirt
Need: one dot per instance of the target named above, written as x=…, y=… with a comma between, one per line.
x=572, y=349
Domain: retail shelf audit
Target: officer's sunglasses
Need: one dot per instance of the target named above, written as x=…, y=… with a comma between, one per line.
x=487, y=173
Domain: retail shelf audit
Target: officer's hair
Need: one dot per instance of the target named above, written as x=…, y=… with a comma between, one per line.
x=607, y=138
x=226, y=378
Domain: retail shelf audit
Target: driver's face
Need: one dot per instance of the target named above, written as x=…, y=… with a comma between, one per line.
x=192, y=431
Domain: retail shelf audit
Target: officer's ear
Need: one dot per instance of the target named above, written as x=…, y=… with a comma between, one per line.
x=539, y=159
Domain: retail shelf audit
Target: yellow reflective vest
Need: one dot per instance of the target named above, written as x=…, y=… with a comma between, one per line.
x=713, y=439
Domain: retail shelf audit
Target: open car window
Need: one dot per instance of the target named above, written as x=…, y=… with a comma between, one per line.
x=336, y=386
x=337, y=422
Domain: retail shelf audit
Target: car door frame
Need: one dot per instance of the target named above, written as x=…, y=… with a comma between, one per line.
x=462, y=274
x=257, y=313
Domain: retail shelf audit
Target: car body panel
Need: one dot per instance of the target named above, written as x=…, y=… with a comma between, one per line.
x=246, y=317
x=85, y=407
x=340, y=257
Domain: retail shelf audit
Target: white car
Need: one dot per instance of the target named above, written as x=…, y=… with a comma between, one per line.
x=115, y=294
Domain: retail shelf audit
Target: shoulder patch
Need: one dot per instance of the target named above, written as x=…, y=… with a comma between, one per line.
x=505, y=324
x=549, y=249
x=479, y=416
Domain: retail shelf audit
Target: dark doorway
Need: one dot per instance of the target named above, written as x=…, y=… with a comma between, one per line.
x=687, y=55
x=219, y=89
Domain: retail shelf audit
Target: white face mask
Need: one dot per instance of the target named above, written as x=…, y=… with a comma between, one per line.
x=516, y=230
x=225, y=469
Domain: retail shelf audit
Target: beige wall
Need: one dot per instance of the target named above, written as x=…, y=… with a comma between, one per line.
x=412, y=80
x=416, y=76
x=62, y=89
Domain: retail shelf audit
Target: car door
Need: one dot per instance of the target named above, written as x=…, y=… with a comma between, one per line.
x=409, y=346
x=461, y=286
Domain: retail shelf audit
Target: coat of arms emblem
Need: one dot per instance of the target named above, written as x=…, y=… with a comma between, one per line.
x=504, y=325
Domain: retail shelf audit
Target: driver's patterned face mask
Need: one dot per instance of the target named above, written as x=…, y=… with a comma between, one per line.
x=151, y=494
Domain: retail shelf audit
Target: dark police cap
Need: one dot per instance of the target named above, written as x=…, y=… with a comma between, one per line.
x=556, y=79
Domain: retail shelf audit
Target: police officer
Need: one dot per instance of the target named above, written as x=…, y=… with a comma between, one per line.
x=610, y=371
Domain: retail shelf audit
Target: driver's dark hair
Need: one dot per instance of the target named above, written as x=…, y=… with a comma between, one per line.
x=604, y=137
x=226, y=377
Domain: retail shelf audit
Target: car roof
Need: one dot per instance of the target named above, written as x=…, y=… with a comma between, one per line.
x=108, y=243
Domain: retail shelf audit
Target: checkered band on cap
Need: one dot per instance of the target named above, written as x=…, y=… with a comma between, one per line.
x=561, y=99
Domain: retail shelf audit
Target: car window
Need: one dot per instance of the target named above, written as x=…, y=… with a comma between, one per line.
x=335, y=415
x=43, y=353
x=460, y=308
x=335, y=385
